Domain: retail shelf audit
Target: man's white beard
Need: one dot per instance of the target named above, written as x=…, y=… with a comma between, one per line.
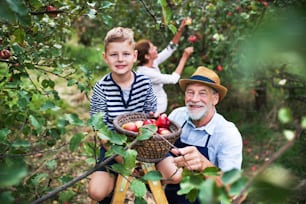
x=197, y=114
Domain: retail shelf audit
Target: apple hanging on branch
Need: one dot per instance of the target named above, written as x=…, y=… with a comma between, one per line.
x=51, y=11
x=5, y=54
x=192, y=38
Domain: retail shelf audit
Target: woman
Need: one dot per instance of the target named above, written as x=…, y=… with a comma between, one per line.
x=149, y=60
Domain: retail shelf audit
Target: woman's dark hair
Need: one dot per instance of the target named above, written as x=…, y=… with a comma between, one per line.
x=142, y=47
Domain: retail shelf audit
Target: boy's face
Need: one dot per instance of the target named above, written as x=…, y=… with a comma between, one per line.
x=120, y=57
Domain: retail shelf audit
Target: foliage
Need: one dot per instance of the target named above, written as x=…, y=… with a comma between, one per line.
x=35, y=120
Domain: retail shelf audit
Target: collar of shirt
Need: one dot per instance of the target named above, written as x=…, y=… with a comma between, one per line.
x=198, y=135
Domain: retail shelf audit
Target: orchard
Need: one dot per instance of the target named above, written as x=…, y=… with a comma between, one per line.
x=50, y=58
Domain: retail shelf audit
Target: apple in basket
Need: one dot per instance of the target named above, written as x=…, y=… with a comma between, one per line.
x=163, y=131
x=139, y=123
x=163, y=121
x=131, y=126
x=149, y=121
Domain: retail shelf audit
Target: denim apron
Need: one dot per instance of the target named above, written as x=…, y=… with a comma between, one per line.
x=171, y=189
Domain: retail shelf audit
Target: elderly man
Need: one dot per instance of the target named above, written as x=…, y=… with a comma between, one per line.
x=207, y=138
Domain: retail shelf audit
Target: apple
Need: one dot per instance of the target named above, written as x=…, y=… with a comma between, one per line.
x=139, y=123
x=192, y=38
x=5, y=54
x=51, y=14
x=149, y=121
x=163, y=121
x=188, y=21
x=163, y=131
x=219, y=68
x=130, y=126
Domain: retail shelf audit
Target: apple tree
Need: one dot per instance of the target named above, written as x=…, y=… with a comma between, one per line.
x=34, y=60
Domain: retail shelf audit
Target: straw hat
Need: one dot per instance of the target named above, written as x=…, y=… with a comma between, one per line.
x=207, y=77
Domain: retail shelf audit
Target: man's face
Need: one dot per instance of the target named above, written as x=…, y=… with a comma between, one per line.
x=120, y=57
x=200, y=100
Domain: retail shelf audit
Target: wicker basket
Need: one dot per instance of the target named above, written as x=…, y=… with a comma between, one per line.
x=153, y=149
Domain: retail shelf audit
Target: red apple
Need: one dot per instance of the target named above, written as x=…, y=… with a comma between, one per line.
x=163, y=131
x=219, y=68
x=192, y=38
x=5, y=54
x=163, y=121
x=51, y=14
x=130, y=126
x=149, y=121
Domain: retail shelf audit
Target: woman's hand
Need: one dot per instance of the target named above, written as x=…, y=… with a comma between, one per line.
x=188, y=51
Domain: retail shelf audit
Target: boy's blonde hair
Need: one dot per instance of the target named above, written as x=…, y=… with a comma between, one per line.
x=119, y=34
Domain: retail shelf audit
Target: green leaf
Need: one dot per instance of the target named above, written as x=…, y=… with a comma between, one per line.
x=153, y=176
x=108, y=20
x=113, y=137
x=21, y=143
x=49, y=105
x=129, y=158
x=231, y=176
x=146, y=132
x=211, y=171
x=119, y=168
x=71, y=82
x=52, y=164
x=303, y=123
x=66, y=195
x=74, y=119
x=6, y=12
x=172, y=28
x=96, y=121
x=285, y=115
x=106, y=4
x=20, y=35
x=138, y=187
x=4, y=133
x=289, y=134
x=36, y=124
x=140, y=200
x=65, y=179
x=12, y=172
x=237, y=186
x=206, y=193
x=75, y=141
x=7, y=197
x=38, y=178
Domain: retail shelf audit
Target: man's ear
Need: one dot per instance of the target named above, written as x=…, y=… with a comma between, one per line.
x=216, y=98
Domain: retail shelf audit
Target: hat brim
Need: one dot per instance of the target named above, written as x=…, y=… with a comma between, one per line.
x=219, y=88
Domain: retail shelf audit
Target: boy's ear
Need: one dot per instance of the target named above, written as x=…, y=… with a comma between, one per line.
x=135, y=55
x=103, y=56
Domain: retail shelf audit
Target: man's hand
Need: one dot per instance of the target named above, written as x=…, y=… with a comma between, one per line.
x=190, y=158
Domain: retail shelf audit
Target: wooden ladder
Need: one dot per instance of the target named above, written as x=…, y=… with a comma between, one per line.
x=122, y=186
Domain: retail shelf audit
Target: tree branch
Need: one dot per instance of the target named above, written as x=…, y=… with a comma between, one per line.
x=275, y=156
x=81, y=177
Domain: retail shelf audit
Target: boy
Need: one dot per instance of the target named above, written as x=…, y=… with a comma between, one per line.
x=120, y=91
